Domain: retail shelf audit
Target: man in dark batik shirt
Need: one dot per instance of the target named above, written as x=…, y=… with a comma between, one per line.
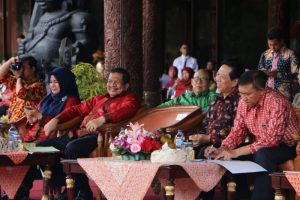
x=221, y=113
x=220, y=116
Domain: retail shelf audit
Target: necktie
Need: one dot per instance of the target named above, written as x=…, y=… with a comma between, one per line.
x=185, y=60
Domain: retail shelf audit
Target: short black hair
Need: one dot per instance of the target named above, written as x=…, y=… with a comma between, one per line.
x=21, y=36
x=184, y=43
x=124, y=72
x=30, y=59
x=275, y=33
x=237, y=68
x=255, y=77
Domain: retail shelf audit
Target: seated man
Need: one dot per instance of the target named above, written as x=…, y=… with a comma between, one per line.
x=200, y=95
x=270, y=118
x=219, y=118
x=117, y=105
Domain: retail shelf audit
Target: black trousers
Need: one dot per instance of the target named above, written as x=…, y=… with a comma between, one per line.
x=269, y=158
x=81, y=147
x=58, y=176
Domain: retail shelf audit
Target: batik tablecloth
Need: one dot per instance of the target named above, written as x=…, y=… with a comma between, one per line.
x=119, y=179
x=11, y=177
x=294, y=179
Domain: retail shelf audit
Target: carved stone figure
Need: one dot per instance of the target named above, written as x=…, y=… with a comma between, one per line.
x=60, y=33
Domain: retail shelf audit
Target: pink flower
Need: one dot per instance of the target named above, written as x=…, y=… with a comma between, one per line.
x=140, y=139
x=134, y=148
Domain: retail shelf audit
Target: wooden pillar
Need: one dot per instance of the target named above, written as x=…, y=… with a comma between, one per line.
x=278, y=15
x=152, y=51
x=4, y=26
x=123, y=39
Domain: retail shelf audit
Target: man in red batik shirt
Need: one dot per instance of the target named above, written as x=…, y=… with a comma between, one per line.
x=269, y=117
x=117, y=105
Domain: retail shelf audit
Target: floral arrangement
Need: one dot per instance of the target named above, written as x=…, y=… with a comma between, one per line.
x=135, y=143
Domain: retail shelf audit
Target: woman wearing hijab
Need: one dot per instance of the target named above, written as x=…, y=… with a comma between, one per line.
x=184, y=84
x=64, y=94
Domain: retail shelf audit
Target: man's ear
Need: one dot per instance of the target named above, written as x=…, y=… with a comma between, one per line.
x=235, y=82
x=126, y=86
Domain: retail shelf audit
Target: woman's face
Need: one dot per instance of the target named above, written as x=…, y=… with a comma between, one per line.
x=185, y=75
x=172, y=73
x=54, y=85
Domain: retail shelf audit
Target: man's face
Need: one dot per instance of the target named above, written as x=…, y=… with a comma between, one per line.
x=275, y=45
x=250, y=95
x=27, y=70
x=184, y=49
x=115, y=84
x=200, y=82
x=224, y=83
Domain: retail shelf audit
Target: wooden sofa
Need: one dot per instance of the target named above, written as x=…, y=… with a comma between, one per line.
x=168, y=119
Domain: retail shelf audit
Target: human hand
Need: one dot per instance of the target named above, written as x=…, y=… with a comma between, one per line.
x=271, y=73
x=199, y=139
x=211, y=152
x=226, y=155
x=32, y=114
x=51, y=126
x=93, y=124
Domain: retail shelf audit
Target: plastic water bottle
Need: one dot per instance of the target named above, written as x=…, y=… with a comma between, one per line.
x=179, y=139
x=13, y=138
x=189, y=150
x=122, y=131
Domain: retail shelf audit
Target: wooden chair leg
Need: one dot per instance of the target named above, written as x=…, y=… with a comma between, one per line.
x=70, y=182
x=231, y=189
x=46, y=180
x=170, y=190
x=279, y=195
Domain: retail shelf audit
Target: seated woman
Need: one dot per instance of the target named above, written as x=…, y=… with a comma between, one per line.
x=184, y=85
x=64, y=94
x=172, y=78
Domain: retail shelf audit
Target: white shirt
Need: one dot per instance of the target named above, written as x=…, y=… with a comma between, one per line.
x=190, y=62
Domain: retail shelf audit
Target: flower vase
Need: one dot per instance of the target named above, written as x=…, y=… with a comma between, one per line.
x=136, y=156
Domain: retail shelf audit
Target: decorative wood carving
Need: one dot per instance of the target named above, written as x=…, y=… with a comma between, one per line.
x=123, y=39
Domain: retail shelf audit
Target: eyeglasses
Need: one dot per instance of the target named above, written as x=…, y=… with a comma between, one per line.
x=114, y=82
x=200, y=79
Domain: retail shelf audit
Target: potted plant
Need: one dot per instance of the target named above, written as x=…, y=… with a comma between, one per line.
x=90, y=82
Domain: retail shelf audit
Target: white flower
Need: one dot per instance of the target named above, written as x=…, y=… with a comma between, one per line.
x=112, y=147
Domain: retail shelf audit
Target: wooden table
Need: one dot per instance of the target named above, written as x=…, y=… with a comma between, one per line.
x=167, y=172
x=43, y=159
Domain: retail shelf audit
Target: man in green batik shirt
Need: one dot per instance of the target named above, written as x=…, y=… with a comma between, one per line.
x=200, y=95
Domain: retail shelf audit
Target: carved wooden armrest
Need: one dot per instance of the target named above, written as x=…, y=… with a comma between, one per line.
x=71, y=124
